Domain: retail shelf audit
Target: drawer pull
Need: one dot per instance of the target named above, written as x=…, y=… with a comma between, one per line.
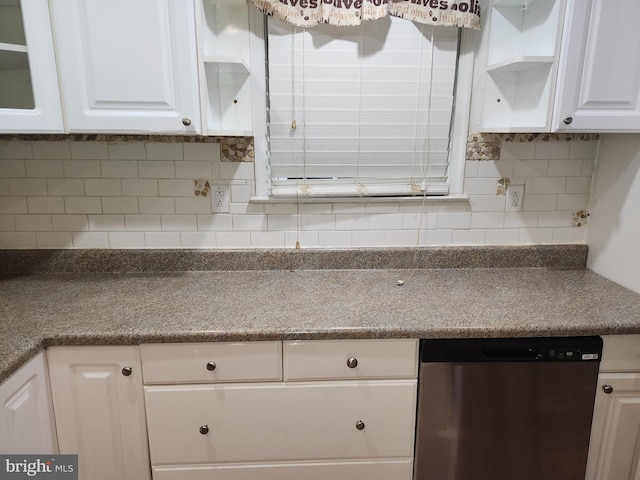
x=204, y=429
x=607, y=389
x=352, y=362
x=211, y=366
x=359, y=425
x=126, y=371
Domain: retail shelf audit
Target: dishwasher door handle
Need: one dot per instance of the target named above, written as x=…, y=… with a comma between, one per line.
x=505, y=354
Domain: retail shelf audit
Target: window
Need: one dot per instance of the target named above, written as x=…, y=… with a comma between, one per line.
x=361, y=111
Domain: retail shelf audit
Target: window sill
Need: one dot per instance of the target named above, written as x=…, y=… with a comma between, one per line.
x=408, y=199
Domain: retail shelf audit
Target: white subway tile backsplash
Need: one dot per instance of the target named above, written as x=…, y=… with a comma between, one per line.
x=156, y=169
x=16, y=150
x=215, y=222
x=28, y=186
x=267, y=239
x=201, y=152
x=70, y=223
x=13, y=205
x=127, y=151
x=469, y=237
x=90, y=239
x=232, y=239
x=51, y=150
x=139, y=187
x=18, y=240
x=555, y=219
x=176, y=188
x=162, y=239
x=542, y=185
x=188, y=169
x=551, y=150
x=565, y=168
x=504, y=236
x=163, y=151
x=89, y=151
x=12, y=168
x=126, y=240
x=81, y=168
x=193, y=205
x=119, y=169
x=157, y=205
x=106, y=223
x=569, y=235
x=143, y=223
x=79, y=205
x=7, y=224
x=179, y=223
x=119, y=205
x=76, y=194
x=578, y=184
x=54, y=240
x=39, y=205
x=453, y=220
x=517, y=150
x=103, y=187
x=536, y=235
x=32, y=223
x=65, y=187
x=388, y=221
x=573, y=202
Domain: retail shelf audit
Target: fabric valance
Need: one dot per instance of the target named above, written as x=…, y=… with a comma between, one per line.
x=308, y=13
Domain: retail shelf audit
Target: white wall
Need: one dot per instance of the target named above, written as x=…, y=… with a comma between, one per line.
x=614, y=226
x=98, y=194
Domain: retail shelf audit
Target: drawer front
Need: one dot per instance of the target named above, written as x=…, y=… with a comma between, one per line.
x=350, y=359
x=376, y=470
x=212, y=362
x=620, y=353
x=295, y=421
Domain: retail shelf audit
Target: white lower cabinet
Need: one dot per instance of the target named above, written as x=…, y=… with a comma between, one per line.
x=614, y=451
x=99, y=410
x=333, y=425
x=26, y=417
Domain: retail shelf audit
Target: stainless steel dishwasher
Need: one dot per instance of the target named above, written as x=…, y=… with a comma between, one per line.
x=505, y=409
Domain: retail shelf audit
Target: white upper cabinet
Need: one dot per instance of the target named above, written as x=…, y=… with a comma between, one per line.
x=128, y=66
x=599, y=80
x=29, y=97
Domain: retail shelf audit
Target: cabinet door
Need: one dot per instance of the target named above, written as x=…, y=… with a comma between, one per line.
x=614, y=452
x=99, y=410
x=29, y=96
x=26, y=417
x=128, y=66
x=599, y=76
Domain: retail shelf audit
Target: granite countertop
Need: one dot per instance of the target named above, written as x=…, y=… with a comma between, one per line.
x=43, y=309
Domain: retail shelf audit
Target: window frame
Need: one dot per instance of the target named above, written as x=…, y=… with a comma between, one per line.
x=459, y=127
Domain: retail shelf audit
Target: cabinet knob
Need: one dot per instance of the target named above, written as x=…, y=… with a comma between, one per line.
x=211, y=366
x=359, y=425
x=352, y=362
x=204, y=429
x=567, y=120
x=126, y=371
x=186, y=121
x=608, y=389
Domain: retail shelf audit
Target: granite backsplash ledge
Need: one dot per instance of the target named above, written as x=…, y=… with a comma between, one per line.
x=27, y=262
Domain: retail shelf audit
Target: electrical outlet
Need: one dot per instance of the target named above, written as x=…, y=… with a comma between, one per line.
x=515, y=196
x=220, y=198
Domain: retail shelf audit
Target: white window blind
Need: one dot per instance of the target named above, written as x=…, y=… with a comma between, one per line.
x=371, y=106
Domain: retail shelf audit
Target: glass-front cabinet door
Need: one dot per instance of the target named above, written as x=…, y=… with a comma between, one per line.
x=29, y=95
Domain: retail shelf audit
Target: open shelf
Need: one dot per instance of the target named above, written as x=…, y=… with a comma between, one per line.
x=520, y=63
x=227, y=64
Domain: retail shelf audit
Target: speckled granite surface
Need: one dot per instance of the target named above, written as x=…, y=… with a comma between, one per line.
x=186, y=260
x=69, y=309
